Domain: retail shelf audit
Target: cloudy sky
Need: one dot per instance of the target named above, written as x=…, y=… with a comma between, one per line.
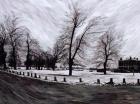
x=44, y=18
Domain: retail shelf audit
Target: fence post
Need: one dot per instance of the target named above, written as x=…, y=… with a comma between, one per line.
x=55, y=79
x=35, y=75
x=28, y=74
x=138, y=81
x=23, y=73
x=111, y=81
x=31, y=74
x=80, y=80
x=39, y=77
x=46, y=78
x=98, y=81
x=64, y=79
x=124, y=81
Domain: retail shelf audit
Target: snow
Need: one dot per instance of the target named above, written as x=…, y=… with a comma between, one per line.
x=87, y=76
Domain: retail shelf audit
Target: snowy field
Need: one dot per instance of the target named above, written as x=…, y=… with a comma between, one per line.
x=87, y=76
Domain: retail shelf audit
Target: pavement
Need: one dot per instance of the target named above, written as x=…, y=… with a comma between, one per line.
x=20, y=90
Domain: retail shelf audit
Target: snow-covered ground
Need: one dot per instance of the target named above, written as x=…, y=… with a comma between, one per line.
x=87, y=76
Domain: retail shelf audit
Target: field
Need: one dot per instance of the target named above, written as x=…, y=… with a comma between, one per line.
x=88, y=77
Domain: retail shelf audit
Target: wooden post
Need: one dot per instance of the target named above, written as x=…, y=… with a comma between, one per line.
x=28, y=74
x=31, y=74
x=80, y=80
x=46, y=78
x=35, y=75
x=111, y=81
x=124, y=81
x=64, y=79
x=98, y=81
x=138, y=81
x=39, y=77
x=55, y=79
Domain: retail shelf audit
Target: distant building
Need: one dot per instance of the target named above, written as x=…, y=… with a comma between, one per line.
x=129, y=65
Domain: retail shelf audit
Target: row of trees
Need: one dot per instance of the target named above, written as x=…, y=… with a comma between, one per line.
x=77, y=30
x=69, y=48
x=16, y=40
x=10, y=34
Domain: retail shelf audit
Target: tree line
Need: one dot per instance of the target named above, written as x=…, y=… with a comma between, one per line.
x=69, y=48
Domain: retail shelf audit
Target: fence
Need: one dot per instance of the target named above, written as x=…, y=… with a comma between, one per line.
x=64, y=80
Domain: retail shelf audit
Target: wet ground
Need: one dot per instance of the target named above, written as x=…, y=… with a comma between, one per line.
x=17, y=90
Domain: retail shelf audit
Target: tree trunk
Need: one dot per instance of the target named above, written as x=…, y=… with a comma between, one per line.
x=70, y=67
x=14, y=57
x=3, y=55
x=38, y=67
x=27, y=68
x=53, y=68
x=4, y=66
x=54, y=63
x=4, y=58
x=105, y=67
x=27, y=62
x=28, y=56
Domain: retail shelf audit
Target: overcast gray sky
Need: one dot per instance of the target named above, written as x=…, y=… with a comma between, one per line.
x=44, y=18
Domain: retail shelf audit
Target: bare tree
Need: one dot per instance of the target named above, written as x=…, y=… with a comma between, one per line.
x=107, y=49
x=28, y=56
x=3, y=42
x=59, y=52
x=31, y=44
x=15, y=33
x=39, y=60
x=76, y=29
x=48, y=59
x=36, y=54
